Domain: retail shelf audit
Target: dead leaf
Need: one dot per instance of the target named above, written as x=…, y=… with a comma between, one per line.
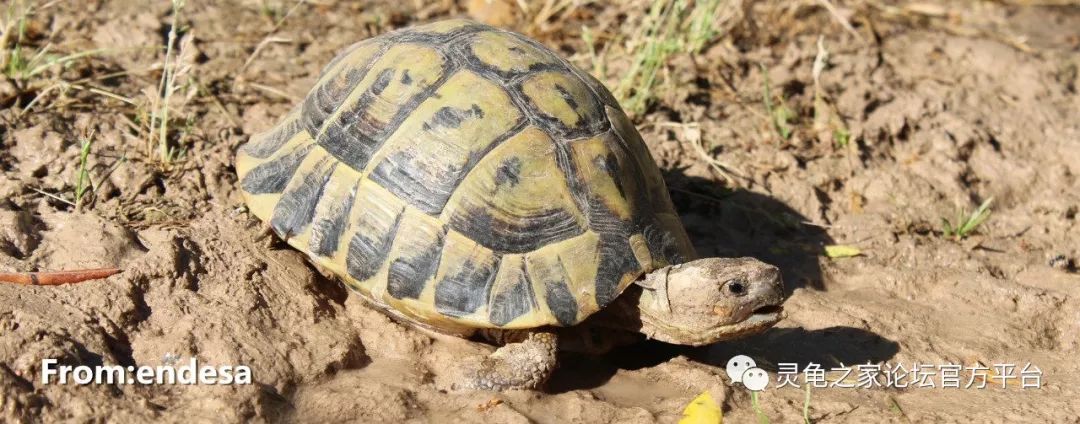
x=842, y=251
x=702, y=410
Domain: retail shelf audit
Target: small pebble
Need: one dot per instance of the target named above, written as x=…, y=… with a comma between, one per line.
x=1061, y=262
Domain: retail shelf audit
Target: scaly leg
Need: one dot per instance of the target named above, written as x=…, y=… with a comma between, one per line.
x=523, y=365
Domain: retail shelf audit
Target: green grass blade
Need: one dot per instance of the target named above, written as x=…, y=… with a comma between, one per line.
x=761, y=417
x=63, y=60
x=806, y=406
x=82, y=180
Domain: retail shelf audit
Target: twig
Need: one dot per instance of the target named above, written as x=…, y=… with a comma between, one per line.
x=168, y=76
x=839, y=18
x=34, y=101
x=54, y=197
x=258, y=48
x=277, y=25
x=698, y=195
x=274, y=91
x=268, y=39
x=103, y=92
x=55, y=278
x=726, y=171
x=217, y=102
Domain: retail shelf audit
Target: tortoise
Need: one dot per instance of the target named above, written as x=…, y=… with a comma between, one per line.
x=466, y=180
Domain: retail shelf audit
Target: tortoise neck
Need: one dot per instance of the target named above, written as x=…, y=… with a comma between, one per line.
x=626, y=313
x=621, y=314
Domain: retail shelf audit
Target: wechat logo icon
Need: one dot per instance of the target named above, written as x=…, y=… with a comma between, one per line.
x=743, y=369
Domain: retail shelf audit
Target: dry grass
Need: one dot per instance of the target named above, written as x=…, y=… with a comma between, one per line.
x=83, y=184
x=669, y=27
x=159, y=117
x=33, y=69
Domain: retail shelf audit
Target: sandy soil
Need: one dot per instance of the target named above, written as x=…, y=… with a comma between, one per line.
x=947, y=104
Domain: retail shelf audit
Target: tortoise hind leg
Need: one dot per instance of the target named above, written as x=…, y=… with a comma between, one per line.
x=522, y=365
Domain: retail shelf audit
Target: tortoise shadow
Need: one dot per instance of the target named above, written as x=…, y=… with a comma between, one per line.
x=729, y=223
x=828, y=347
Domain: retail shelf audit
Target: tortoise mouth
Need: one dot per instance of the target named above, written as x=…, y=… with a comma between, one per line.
x=759, y=320
x=765, y=313
x=770, y=313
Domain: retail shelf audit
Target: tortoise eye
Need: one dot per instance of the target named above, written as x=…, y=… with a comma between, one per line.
x=735, y=287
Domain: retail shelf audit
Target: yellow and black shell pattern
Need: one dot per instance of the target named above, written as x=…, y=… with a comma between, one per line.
x=465, y=176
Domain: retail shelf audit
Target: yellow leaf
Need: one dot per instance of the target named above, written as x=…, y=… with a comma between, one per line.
x=702, y=410
x=841, y=251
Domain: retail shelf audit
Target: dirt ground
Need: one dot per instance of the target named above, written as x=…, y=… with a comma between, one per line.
x=924, y=109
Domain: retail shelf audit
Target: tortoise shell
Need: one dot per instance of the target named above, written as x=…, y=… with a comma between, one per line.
x=460, y=174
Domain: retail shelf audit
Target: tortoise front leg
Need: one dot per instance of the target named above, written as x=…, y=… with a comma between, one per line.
x=523, y=365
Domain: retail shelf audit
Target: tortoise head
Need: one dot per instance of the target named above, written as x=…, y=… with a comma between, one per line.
x=709, y=300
